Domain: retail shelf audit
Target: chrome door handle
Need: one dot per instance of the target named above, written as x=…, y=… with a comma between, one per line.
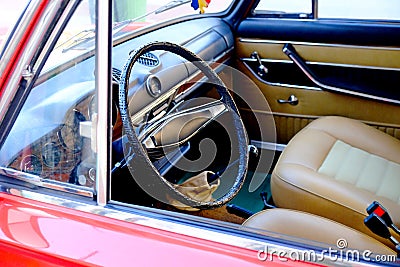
x=292, y=100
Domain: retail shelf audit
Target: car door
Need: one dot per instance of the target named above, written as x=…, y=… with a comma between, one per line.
x=319, y=58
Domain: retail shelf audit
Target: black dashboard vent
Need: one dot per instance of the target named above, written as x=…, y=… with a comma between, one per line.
x=149, y=59
x=116, y=75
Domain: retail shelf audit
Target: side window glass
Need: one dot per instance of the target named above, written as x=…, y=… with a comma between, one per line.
x=359, y=9
x=341, y=9
x=51, y=138
x=283, y=7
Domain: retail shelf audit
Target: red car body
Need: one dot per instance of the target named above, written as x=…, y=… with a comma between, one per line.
x=37, y=234
x=34, y=232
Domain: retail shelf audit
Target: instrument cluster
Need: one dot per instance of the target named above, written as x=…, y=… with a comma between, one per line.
x=62, y=154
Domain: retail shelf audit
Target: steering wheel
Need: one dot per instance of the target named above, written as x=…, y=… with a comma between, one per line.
x=140, y=165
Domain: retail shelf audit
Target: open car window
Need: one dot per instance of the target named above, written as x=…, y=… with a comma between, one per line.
x=52, y=140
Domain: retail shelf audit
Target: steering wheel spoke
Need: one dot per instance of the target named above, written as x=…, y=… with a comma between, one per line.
x=177, y=127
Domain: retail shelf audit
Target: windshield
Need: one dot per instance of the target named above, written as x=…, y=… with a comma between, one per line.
x=128, y=17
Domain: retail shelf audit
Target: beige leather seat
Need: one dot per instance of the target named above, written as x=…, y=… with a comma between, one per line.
x=335, y=167
x=315, y=228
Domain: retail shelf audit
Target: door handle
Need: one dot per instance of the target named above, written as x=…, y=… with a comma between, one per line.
x=292, y=100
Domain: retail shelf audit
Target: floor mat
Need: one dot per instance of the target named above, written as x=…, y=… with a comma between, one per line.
x=252, y=200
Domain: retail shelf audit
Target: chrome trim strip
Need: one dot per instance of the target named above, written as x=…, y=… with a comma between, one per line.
x=68, y=188
x=332, y=88
x=103, y=89
x=268, y=145
x=267, y=60
x=265, y=41
x=284, y=61
x=178, y=228
x=281, y=84
x=22, y=176
x=46, y=183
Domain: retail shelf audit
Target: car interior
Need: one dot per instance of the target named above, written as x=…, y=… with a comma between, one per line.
x=273, y=124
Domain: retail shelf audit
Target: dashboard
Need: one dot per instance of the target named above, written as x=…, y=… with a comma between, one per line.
x=48, y=138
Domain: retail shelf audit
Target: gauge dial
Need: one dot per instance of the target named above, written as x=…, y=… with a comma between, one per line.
x=51, y=154
x=86, y=176
x=153, y=86
x=69, y=132
x=31, y=164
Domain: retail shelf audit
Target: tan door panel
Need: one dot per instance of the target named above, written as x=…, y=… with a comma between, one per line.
x=312, y=104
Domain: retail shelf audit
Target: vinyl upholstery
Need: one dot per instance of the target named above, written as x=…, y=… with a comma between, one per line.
x=360, y=168
x=312, y=227
x=335, y=167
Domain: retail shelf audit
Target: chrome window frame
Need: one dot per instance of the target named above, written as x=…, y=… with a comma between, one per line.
x=28, y=68
x=103, y=89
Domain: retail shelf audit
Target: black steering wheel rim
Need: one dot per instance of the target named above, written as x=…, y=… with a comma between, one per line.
x=141, y=167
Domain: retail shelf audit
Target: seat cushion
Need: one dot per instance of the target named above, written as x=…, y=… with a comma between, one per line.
x=315, y=228
x=335, y=167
